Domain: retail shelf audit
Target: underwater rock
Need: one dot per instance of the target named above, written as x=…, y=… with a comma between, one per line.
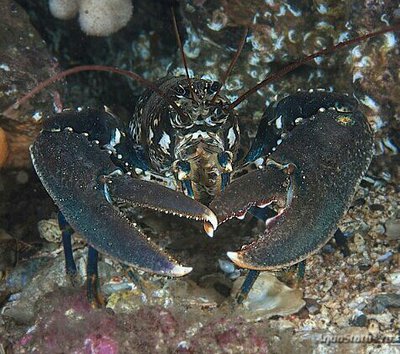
x=36, y=277
x=270, y=297
x=168, y=293
x=24, y=62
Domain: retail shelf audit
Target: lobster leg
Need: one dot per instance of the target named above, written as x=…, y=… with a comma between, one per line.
x=248, y=283
x=341, y=242
x=67, y=231
x=93, y=283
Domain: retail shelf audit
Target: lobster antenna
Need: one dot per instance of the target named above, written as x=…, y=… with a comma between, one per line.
x=232, y=64
x=289, y=68
x=178, y=39
x=77, y=69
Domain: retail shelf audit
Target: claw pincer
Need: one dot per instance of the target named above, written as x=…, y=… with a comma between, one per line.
x=328, y=154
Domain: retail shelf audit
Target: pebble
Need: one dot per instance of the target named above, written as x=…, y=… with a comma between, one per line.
x=385, y=257
x=377, y=207
x=394, y=278
x=379, y=229
x=392, y=227
x=396, y=260
x=359, y=320
x=312, y=306
x=383, y=301
x=226, y=266
x=359, y=242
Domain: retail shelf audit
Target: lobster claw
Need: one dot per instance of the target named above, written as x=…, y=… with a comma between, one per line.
x=270, y=185
x=78, y=187
x=313, y=174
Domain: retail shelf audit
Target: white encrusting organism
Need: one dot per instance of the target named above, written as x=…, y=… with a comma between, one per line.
x=96, y=17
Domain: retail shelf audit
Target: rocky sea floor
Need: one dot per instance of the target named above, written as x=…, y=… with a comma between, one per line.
x=345, y=302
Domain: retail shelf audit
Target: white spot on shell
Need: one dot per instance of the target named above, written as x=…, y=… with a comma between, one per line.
x=357, y=76
x=37, y=116
x=278, y=122
x=107, y=193
x=259, y=162
x=116, y=138
x=231, y=137
x=164, y=142
x=369, y=102
x=151, y=134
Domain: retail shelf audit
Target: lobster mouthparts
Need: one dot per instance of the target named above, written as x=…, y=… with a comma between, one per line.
x=328, y=155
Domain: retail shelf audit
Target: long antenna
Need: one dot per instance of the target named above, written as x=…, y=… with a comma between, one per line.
x=8, y=112
x=289, y=68
x=178, y=39
x=232, y=64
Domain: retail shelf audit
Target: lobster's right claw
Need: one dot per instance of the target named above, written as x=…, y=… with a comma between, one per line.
x=72, y=169
x=134, y=192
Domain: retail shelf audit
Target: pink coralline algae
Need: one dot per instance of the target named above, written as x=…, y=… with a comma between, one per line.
x=67, y=324
x=225, y=335
x=98, y=344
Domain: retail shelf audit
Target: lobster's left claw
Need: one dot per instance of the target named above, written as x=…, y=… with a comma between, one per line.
x=316, y=170
x=270, y=185
x=259, y=188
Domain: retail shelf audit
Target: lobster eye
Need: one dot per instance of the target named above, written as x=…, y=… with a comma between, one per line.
x=180, y=91
x=178, y=121
x=225, y=160
x=218, y=116
x=218, y=112
x=214, y=87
